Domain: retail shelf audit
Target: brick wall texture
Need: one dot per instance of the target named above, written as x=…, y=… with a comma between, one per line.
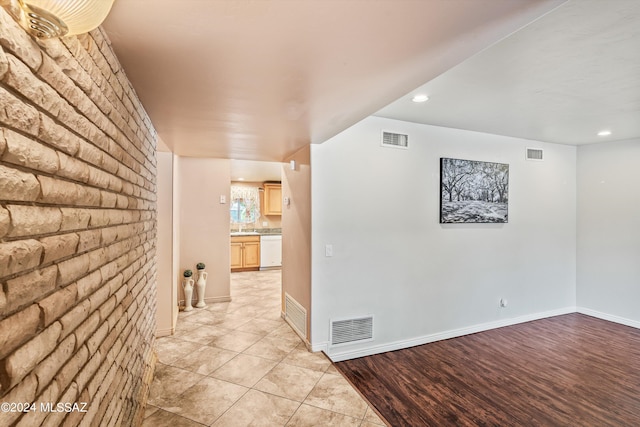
x=77, y=233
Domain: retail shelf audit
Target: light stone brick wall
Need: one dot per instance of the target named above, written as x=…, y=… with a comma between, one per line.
x=77, y=232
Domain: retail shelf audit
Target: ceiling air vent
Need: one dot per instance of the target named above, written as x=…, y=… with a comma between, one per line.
x=395, y=140
x=535, y=154
x=351, y=330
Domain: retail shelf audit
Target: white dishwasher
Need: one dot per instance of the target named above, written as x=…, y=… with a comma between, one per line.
x=270, y=250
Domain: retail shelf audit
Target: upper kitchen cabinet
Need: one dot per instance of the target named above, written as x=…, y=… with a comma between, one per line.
x=272, y=198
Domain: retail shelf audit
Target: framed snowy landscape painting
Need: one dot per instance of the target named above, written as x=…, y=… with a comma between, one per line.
x=473, y=191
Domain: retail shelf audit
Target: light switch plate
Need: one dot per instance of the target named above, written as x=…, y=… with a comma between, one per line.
x=328, y=250
x=223, y=199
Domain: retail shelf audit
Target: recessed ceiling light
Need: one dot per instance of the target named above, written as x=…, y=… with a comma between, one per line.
x=240, y=179
x=420, y=98
x=604, y=133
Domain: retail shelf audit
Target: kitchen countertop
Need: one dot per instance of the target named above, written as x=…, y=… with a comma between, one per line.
x=257, y=232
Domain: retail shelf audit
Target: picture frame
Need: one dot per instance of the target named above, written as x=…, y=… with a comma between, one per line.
x=473, y=191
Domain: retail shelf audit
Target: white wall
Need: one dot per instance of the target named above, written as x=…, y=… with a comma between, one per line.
x=167, y=308
x=421, y=280
x=609, y=231
x=296, y=232
x=204, y=222
x=177, y=274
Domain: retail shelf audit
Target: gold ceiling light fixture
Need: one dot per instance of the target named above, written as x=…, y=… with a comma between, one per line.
x=57, y=18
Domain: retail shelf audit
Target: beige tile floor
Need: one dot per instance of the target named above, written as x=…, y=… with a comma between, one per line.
x=239, y=364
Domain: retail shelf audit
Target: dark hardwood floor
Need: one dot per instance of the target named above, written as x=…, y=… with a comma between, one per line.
x=570, y=370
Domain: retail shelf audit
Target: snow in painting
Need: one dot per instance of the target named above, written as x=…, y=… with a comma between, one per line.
x=472, y=191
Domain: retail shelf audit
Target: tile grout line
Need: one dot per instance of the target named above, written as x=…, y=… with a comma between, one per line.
x=258, y=316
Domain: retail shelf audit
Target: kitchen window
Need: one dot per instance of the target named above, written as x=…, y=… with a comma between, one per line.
x=245, y=204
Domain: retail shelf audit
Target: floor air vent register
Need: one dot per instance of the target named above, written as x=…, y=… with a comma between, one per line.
x=351, y=330
x=295, y=315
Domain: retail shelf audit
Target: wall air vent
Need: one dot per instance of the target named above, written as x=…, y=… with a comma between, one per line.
x=351, y=330
x=395, y=140
x=535, y=154
x=295, y=315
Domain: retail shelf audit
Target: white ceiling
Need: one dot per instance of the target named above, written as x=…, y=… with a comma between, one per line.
x=259, y=79
x=562, y=79
x=255, y=171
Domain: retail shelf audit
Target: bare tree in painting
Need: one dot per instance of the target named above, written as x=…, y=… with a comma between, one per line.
x=500, y=178
x=473, y=191
x=454, y=178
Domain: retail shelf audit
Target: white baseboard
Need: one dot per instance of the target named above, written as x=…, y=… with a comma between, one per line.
x=164, y=332
x=206, y=300
x=341, y=355
x=609, y=317
x=174, y=324
x=294, y=329
x=217, y=299
x=323, y=346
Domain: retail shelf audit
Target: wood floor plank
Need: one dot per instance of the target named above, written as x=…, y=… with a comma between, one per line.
x=570, y=370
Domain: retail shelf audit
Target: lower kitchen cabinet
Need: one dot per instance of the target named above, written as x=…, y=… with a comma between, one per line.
x=245, y=253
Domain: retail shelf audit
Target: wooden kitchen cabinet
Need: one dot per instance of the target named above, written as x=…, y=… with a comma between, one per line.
x=245, y=253
x=236, y=255
x=272, y=199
